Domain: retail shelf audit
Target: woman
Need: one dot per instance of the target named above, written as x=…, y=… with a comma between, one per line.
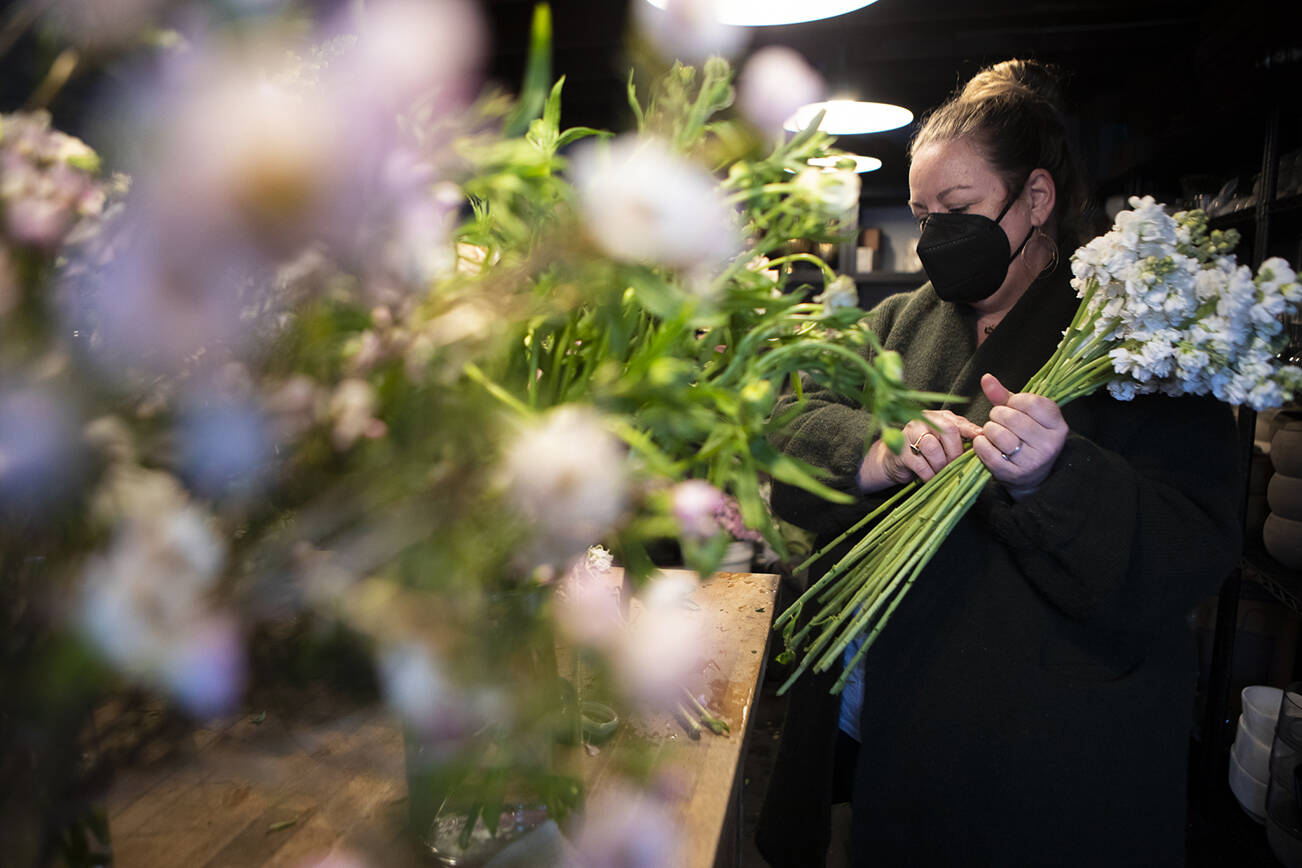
x=1030, y=701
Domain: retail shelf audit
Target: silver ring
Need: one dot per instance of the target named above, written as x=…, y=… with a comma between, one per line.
x=1008, y=456
x=913, y=447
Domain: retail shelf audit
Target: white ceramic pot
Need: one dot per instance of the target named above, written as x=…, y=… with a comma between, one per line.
x=1260, y=710
x=1254, y=753
x=1250, y=792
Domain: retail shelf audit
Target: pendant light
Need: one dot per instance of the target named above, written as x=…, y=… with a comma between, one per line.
x=766, y=13
x=861, y=163
x=847, y=117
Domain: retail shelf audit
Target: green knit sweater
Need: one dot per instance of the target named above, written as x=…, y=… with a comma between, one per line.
x=1030, y=701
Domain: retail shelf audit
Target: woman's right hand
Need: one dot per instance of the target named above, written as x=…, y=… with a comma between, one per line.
x=930, y=444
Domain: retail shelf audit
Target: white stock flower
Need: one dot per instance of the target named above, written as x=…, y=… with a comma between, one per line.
x=774, y=82
x=566, y=475
x=642, y=203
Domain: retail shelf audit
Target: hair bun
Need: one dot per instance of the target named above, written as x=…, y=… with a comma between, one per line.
x=1014, y=79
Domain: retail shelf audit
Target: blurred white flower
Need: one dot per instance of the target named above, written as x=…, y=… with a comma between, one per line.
x=695, y=504
x=688, y=30
x=566, y=475
x=842, y=292
x=252, y=160
x=662, y=645
x=407, y=50
x=774, y=82
x=145, y=602
x=352, y=410
x=644, y=204
x=833, y=193
x=415, y=686
x=623, y=827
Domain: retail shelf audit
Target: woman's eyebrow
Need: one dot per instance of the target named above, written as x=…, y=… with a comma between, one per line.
x=942, y=194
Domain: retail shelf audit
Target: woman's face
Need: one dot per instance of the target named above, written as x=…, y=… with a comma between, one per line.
x=952, y=177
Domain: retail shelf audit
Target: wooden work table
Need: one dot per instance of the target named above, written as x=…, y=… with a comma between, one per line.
x=267, y=789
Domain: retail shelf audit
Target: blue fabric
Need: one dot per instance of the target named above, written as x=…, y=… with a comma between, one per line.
x=852, y=695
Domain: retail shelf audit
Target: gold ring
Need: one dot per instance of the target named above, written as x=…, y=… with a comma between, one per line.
x=913, y=447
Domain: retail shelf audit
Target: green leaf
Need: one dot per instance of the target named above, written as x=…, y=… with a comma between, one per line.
x=537, y=73
x=552, y=112
x=792, y=471
x=656, y=294
x=573, y=134
x=634, y=104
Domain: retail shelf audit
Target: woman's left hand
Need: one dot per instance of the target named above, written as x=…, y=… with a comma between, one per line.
x=1023, y=438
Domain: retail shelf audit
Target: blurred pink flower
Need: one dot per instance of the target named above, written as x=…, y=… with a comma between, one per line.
x=588, y=604
x=643, y=203
x=688, y=30
x=662, y=645
x=625, y=828
x=336, y=859
x=162, y=300
x=774, y=82
x=47, y=180
x=695, y=504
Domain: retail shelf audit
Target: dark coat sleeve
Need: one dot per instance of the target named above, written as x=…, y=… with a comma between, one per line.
x=831, y=433
x=1135, y=522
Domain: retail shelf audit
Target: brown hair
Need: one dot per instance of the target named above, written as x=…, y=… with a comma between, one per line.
x=1010, y=113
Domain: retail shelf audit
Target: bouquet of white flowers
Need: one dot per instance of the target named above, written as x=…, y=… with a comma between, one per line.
x=1164, y=308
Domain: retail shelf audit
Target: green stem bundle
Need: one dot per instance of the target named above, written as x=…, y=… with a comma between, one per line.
x=860, y=592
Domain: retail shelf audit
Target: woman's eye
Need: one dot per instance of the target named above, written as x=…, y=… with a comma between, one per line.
x=960, y=209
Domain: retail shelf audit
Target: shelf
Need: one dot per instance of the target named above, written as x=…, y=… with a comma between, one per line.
x=1278, y=580
x=1284, y=206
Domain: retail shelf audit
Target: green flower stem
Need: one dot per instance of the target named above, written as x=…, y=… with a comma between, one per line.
x=975, y=479
x=828, y=274
x=472, y=371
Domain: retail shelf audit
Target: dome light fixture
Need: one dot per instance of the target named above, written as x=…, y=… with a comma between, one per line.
x=847, y=117
x=766, y=13
x=861, y=163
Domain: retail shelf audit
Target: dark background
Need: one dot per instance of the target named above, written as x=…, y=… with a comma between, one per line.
x=1168, y=98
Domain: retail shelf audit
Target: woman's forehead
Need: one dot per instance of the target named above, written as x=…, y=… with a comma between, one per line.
x=940, y=166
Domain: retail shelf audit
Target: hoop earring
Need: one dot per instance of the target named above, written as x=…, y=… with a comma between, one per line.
x=1053, y=251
